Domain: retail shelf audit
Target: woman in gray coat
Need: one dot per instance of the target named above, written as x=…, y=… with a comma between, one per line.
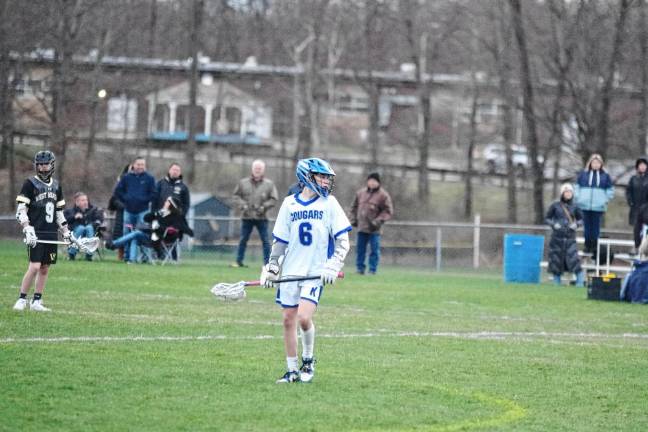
x=564, y=218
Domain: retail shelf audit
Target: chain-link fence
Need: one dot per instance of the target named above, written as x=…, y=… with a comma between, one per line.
x=433, y=245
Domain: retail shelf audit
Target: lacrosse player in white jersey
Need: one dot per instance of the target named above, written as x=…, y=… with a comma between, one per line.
x=311, y=234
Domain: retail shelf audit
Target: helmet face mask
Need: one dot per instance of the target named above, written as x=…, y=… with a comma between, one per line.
x=44, y=158
x=306, y=170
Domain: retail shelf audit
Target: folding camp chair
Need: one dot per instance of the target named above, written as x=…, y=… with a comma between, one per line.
x=170, y=246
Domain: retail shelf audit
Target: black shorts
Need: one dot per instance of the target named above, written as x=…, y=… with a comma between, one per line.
x=43, y=253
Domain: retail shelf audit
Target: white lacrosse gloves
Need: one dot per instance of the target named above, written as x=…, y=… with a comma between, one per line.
x=30, y=236
x=269, y=274
x=68, y=237
x=557, y=226
x=573, y=226
x=329, y=272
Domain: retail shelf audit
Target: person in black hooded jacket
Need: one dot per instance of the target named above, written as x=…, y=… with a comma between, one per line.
x=637, y=190
x=172, y=186
x=564, y=218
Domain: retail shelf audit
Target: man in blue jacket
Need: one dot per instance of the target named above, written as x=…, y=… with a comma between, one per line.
x=135, y=190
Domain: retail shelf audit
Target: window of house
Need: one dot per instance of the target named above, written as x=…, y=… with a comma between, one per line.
x=233, y=117
x=160, y=118
x=182, y=119
x=122, y=114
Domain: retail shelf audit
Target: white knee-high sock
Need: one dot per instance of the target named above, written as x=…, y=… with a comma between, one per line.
x=292, y=364
x=308, y=342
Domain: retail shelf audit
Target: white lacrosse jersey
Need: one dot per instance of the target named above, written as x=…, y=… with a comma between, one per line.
x=309, y=228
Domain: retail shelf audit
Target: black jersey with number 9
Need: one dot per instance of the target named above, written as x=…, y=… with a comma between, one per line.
x=42, y=200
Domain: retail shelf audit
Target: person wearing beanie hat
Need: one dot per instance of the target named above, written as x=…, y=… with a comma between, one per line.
x=594, y=189
x=637, y=190
x=564, y=218
x=375, y=176
x=371, y=208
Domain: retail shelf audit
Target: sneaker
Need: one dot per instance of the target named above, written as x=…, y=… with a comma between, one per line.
x=237, y=265
x=20, y=305
x=289, y=377
x=108, y=244
x=307, y=370
x=37, y=306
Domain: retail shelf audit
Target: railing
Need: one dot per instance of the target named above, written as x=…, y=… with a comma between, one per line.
x=430, y=244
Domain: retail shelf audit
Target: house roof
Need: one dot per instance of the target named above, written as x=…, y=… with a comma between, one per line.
x=219, y=90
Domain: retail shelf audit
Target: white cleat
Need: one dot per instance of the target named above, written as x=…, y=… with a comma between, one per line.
x=307, y=371
x=20, y=305
x=289, y=377
x=37, y=306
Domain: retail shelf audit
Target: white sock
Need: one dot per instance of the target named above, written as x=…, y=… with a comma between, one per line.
x=291, y=363
x=308, y=342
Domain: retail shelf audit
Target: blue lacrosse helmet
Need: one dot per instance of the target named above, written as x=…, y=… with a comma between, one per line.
x=306, y=168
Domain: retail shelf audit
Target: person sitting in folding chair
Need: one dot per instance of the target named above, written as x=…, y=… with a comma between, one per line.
x=162, y=231
x=85, y=220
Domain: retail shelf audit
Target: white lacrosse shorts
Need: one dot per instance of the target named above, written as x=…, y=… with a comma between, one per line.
x=290, y=293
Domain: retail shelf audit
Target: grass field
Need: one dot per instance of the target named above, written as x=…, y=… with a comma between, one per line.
x=149, y=348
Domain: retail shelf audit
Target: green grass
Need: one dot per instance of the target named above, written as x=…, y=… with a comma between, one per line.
x=406, y=350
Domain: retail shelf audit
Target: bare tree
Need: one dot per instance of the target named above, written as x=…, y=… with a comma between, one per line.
x=528, y=103
x=194, y=48
x=426, y=32
x=497, y=42
x=642, y=132
x=70, y=19
x=102, y=43
x=6, y=104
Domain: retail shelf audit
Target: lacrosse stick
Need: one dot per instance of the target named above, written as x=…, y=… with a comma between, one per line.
x=87, y=245
x=236, y=291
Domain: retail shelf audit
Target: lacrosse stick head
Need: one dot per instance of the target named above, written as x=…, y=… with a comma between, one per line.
x=229, y=291
x=88, y=245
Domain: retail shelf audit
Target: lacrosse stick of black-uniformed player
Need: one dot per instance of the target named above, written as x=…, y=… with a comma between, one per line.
x=87, y=245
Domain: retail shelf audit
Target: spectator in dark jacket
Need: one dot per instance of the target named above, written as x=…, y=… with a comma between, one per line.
x=635, y=284
x=641, y=224
x=371, y=208
x=637, y=190
x=135, y=190
x=172, y=185
x=593, y=190
x=115, y=205
x=564, y=218
x=84, y=220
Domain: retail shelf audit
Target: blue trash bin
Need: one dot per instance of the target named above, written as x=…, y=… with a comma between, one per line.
x=522, y=256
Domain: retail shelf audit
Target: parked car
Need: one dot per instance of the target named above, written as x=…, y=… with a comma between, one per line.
x=494, y=156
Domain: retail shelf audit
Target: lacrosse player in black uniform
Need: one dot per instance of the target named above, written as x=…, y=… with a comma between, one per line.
x=40, y=213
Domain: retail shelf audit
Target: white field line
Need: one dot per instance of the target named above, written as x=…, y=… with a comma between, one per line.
x=577, y=338
x=166, y=318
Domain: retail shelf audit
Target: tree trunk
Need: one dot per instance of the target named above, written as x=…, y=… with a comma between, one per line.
x=472, y=138
x=528, y=111
x=606, y=93
x=6, y=101
x=197, y=10
x=643, y=112
x=374, y=126
x=94, y=106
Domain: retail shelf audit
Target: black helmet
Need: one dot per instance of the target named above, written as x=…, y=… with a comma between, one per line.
x=41, y=158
